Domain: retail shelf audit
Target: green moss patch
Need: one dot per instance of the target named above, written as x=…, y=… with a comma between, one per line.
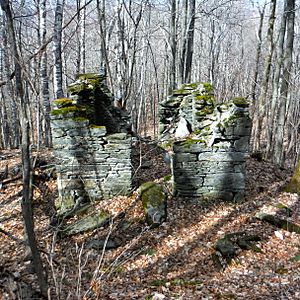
x=78, y=87
x=189, y=141
x=240, y=102
x=62, y=102
x=192, y=86
x=208, y=87
x=154, y=203
x=294, y=185
x=79, y=119
x=93, y=126
x=68, y=109
x=87, y=76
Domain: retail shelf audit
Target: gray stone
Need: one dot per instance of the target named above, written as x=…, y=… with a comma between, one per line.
x=218, y=195
x=279, y=221
x=154, y=203
x=115, y=146
x=242, y=144
x=88, y=152
x=183, y=128
x=226, y=247
x=69, y=123
x=93, y=221
x=185, y=157
x=78, y=132
x=226, y=181
x=102, y=244
x=116, y=137
x=98, y=131
x=222, y=156
x=242, y=130
x=190, y=147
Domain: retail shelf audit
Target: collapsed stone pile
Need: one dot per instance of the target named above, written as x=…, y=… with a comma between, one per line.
x=209, y=143
x=91, y=144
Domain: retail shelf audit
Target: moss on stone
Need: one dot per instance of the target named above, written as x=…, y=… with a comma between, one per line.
x=62, y=102
x=68, y=109
x=166, y=145
x=229, y=121
x=153, y=202
x=86, y=76
x=77, y=87
x=207, y=110
x=167, y=177
x=205, y=100
x=193, y=85
x=78, y=119
x=202, y=131
x=240, y=102
x=172, y=102
x=208, y=87
x=294, y=185
x=182, y=92
x=90, y=222
x=189, y=141
x=65, y=204
x=93, y=126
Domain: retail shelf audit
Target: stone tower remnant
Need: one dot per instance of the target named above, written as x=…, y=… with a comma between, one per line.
x=208, y=159
x=91, y=143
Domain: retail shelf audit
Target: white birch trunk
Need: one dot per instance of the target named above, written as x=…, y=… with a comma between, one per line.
x=44, y=86
x=57, y=48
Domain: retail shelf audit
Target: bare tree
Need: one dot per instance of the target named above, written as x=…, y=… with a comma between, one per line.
x=173, y=45
x=44, y=87
x=190, y=41
x=261, y=103
x=26, y=199
x=258, y=51
x=279, y=156
x=57, y=49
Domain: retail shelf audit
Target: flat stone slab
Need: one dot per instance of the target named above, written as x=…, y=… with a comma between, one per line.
x=228, y=246
x=90, y=222
x=281, y=215
x=280, y=222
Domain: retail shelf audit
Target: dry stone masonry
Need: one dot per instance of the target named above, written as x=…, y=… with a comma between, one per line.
x=91, y=143
x=209, y=143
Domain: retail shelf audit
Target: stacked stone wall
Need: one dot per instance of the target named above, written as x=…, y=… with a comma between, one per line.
x=92, y=163
x=208, y=160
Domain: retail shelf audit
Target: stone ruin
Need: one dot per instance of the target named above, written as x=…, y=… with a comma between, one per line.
x=209, y=143
x=92, y=144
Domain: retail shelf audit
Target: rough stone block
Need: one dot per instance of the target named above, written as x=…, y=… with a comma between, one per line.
x=185, y=157
x=226, y=181
x=222, y=156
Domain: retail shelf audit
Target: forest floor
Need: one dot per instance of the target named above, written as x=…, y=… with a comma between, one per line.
x=173, y=261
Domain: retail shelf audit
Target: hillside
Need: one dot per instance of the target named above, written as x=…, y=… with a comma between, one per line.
x=173, y=261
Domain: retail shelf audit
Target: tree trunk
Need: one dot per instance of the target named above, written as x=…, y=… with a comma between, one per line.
x=261, y=103
x=173, y=44
x=44, y=87
x=190, y=42
x=276, y=84
x=183, y=42
x=258, y=52
x=14, y=139
x=285, y=80
x=105, y=36
x=81, y=36
x=26, y=199
x=57, y=42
